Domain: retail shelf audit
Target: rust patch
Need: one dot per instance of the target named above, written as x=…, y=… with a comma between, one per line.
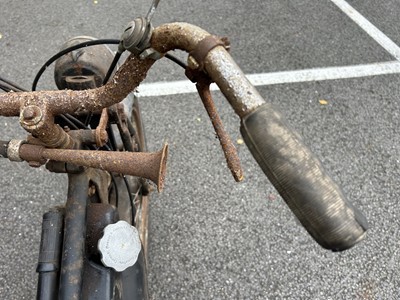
x=142, y=164
x=101, y=132
x=231, y=156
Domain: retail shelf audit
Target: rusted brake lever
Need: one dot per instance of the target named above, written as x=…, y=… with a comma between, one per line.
x=231, y=156
x=196, y=73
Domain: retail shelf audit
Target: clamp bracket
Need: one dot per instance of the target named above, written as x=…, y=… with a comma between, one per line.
x=205, y=46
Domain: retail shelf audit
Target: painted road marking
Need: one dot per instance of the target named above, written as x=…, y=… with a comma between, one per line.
x=318, y=74
x=369, y=28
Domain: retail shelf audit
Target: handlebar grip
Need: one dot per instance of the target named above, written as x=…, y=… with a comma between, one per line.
x=315, y=199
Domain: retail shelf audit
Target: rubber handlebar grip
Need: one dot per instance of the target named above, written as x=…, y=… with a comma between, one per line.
x=315, y=199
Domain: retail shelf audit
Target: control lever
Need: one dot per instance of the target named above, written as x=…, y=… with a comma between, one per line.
x=137, y=35
x=152, y=10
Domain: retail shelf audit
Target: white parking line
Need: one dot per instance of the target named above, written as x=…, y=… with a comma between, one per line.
x=318, y=74
x=330, y=73
x=369, y=28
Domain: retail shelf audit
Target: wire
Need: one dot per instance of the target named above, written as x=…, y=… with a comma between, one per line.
x=76, y=121
x=112, y=67
x=69, y=122
x=105, y=80
x=5, y=87
x=110, y=148
x=176, y=60
x=130, y=198
x=67, y=50
x=115, y=188
x=12, y=84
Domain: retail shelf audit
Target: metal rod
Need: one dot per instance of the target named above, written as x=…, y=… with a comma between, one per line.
x=229, y=149
x=74, y=237
x=152, y=10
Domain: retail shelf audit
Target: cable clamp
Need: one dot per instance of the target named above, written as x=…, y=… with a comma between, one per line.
x=199, y=54
x=13, y=150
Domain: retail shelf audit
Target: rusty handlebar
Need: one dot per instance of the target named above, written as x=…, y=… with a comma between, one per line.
x=291, y=167
x=218, y=64
x=37, y=109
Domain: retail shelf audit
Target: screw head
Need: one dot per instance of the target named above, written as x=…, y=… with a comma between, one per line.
x=31, y=115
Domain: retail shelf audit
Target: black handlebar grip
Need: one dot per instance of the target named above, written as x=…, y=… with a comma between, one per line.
x=315, y=199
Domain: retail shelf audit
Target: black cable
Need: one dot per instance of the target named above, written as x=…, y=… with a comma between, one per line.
x=67, y=50
x=176, y=60
x=8, y=86
x=105, y=80
x=115, y=188
x=5, y=87
x=111, y=138
x=110, y=148
x=76, y=121
x=112, y=67
x=16, y=86
x=130, y=198
x=113, y=181
x=69, y=122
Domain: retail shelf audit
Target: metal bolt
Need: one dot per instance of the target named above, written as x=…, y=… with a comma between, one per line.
x=31, y=115
x=192, y=63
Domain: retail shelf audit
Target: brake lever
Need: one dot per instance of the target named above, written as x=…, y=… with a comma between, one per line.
x=152, y=10
x=229, y=149
x=137, y=35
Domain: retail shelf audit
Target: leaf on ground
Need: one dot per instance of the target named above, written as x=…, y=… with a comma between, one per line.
x=323, y=102
x=239, y=141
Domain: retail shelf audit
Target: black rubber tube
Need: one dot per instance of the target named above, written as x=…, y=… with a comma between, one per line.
x=50, y=254
x=315, y=199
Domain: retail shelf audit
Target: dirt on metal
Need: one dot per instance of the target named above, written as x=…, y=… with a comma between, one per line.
x=228, y=147
x=142, y=164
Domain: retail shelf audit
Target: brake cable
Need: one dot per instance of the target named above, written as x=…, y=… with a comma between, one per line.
x=70, y=49
x=9, y=83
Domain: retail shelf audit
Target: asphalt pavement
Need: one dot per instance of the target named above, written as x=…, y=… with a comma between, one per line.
x=212, y=238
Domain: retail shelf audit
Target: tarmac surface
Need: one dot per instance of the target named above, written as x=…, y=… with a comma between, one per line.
x=212, y=238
